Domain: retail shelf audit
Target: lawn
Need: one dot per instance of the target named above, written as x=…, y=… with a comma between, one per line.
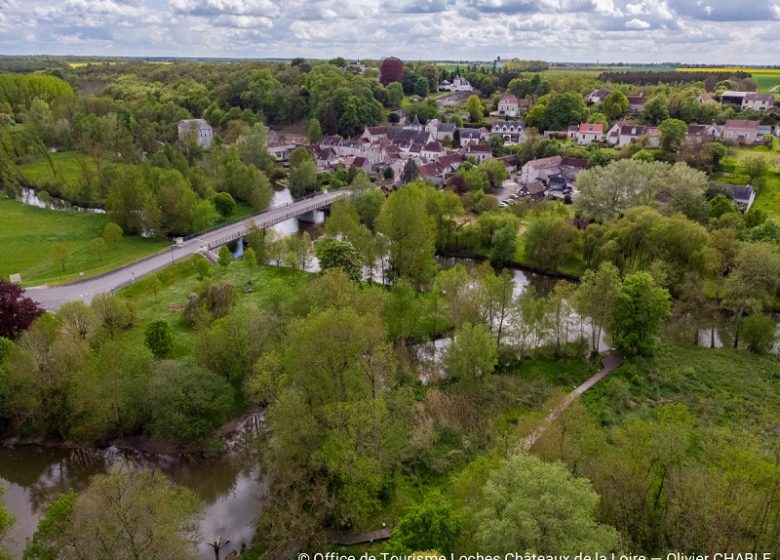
x=767, y=78
x=67, y=173
x=31, y=239
x=768, y=197
x=721, y=387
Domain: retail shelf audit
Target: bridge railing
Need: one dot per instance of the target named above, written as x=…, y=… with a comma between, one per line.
x=260, y=213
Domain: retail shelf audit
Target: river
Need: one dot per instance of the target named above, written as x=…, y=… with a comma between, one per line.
x=229, y=484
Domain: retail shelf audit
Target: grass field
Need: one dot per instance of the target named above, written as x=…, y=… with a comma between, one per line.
x=66, y=175
x=767, y=78
x=32, y=237
x=768, y=197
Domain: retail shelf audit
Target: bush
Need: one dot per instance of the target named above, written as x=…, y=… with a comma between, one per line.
x=225, y=204
x=758, y=332
x=159, y=338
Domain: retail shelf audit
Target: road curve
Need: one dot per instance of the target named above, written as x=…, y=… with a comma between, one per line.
x=52, y=298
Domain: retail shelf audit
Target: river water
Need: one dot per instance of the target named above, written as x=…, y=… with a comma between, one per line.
x=230, y=484
x=31, y=197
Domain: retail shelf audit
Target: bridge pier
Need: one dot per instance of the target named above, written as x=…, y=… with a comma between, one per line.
x=315, y=217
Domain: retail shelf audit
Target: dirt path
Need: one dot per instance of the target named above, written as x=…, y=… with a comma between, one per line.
x=609, y=363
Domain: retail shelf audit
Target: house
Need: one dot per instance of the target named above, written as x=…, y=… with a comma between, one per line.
x=636, y=102
x=361, y=163
x=458, y=84
x=480, y=152
x=587, y=133
x=511, y=131
x=374, y=133
x=758, y=101
x=543, y=169
x=535, y=190
x=450, y=162
x=444, y=131
x=509, y=105
x=706, y=98
x=432, y=150
x=699, y=133
x=732, y=97
x=743, y=196
x=622, y=134
x=469, y=136
x=198, y=129
x=740, y=131
x=597, y=96
x=432, y=172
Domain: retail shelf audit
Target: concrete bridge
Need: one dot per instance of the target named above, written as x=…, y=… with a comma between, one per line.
x=52, y=298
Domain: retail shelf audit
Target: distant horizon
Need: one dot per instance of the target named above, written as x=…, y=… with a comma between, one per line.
x=163, y=58
x=700, y=32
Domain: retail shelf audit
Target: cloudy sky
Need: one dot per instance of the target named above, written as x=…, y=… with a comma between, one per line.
x=702, y=31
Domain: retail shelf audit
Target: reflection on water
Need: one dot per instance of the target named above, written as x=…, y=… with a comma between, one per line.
x=230, y=485
x=522, y=278
x=42, y=199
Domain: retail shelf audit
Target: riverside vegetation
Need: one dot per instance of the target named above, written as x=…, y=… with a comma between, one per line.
x=661, y=455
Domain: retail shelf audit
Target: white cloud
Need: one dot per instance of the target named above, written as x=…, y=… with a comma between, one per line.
x=636, y=23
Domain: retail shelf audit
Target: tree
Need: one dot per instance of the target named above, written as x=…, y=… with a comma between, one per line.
x=472, y=353
x=334, y=253
x=503, y=245
x=595, y=299
x=391, y=70
x=61, y=254
x=113, y=312
x=6, y=521
x=124, y=515
x=550, y=242
x=187, y=402
x=496, y=172
x=673, y=133
x=315, y=131
x=17, y=312
x=529, y=505
x=410, y=171
x=421, y=86
x=395, y=95
x=225, y=256
x=614, y=105
x=250, y=259
x=656, y=109
x=474, y=108
x=303, y=173
x=158, y=337
x=754, y=167
x=430, y=525
x=253, y=146
x=412, y=233
x=225, y=204
x=759, y=332
x=641, y=308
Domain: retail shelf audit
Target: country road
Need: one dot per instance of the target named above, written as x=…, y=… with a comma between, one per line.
x=52, y=298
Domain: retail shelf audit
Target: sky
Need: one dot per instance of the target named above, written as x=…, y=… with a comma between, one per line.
x=694, y=31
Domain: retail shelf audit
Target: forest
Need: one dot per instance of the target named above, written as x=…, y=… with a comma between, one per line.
x=401, y=376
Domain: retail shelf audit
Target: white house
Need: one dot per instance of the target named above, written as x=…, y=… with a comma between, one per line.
x=458, y=84
x=480, y=152
x=587, y=133
x=597, y=96
x=740, y=131
x=758, y=101
x=622, y=134
x=509, y=105
x=197, y=128
x=511, y=131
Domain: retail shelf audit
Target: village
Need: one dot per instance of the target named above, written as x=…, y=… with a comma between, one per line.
x=434, y=150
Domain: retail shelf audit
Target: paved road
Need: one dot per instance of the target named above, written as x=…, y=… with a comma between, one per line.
x=53, y=298
x=609, y=363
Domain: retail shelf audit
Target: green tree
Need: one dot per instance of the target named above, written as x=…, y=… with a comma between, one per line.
x=47, y=541
x=474, y=108
x=614, y=105
x=253, y=146
x=656, y=109
x=158, y=337
x=225, y=256
x=410, y=171
x=225, y=204
x=187, y=403
x=641, y=308
x=595, y=299
x=412, y=233
x=6, y=521
x=125, y=514
x=472, y=354
x=334, y=253
x=113, y=312
x=315, y=131
x=430, y=525
x=529, y=505
x=503, y=245
x=550, y=242
x=754, y=168
x=250, y=260
x=395, y=95
x=673, y=133
x=421, y=86
x=303, y=177
x=759, y=332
